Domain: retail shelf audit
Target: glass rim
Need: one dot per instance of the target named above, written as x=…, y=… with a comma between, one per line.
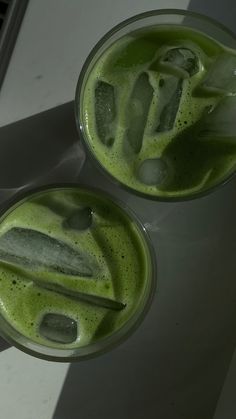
x=80, y=127
x=118, y=337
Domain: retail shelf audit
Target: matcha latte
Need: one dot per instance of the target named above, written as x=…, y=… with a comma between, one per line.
x=156, y=105
x=76, y=273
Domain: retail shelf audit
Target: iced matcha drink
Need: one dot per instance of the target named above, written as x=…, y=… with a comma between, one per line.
x=157, y=108
x=75, y=273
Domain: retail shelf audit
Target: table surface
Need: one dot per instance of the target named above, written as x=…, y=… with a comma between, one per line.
x=174, y=366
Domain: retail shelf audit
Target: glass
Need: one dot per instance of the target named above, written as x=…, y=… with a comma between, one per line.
x=50, y=218
x=206, y=26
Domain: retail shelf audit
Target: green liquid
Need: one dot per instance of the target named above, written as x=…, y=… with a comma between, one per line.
x=120, y=268
x=194, y=165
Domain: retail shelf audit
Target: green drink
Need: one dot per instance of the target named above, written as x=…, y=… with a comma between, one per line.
x=76, y=273
x=156, y=105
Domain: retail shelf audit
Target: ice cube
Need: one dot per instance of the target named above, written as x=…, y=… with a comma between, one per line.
x=105, y=112
x=153, y=172
x=58, y=328
x=221, y=77
x=180, y=62
x=137, y=111
x=169, y=96
x=80, y=219
x=34, y=250
x=219, y=122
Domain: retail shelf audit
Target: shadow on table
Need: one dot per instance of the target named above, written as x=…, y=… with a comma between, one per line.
x=3, y=344
x=39, y=149
x=224, y=11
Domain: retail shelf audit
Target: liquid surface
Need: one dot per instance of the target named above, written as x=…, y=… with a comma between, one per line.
x=73, y=267
x=158, y=111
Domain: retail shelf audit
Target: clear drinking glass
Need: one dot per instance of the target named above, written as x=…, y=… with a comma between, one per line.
x=46, y=210
x=104, y=157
